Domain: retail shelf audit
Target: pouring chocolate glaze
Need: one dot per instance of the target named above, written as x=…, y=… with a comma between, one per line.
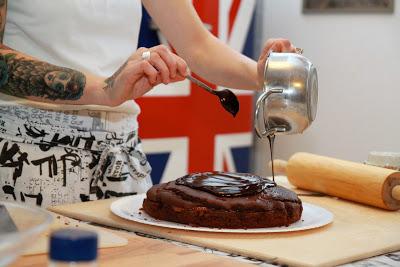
x=288, y=103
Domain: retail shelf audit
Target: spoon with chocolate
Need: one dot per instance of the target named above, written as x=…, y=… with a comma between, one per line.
x=227, y=98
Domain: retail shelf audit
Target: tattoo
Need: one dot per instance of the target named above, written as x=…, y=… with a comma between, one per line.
x=25, y=77
x=3, y=12
x=110, y=80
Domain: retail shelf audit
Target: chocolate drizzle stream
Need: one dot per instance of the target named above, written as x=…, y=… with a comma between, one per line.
x=226, y=184
x=271, y=139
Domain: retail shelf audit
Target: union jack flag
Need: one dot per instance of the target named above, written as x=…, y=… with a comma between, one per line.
x=185, y=129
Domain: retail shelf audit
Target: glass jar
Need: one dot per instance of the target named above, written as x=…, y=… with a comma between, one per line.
x=389, y=160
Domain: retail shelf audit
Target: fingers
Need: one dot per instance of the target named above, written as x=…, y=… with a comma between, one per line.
x=170, y=66
x=137, y=69
x=167, y=57
x=151, y=72
x=182, y=67
x=278, y=45
x=161, y=66
x=285, y=45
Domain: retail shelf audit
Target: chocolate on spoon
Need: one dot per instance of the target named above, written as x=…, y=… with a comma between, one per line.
x=227, y=98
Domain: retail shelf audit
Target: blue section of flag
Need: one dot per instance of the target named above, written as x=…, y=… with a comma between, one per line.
x=248, y=48
x=158, y=162
x=147, y=36
x=241, y=158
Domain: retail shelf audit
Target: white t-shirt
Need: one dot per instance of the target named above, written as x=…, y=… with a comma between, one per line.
x=95, y=36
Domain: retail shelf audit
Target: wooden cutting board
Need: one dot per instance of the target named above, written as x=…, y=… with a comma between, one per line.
x=357, y=232
x=107, y=239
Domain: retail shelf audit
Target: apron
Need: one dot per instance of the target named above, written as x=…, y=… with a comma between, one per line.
x=56, y=157
x=58, y=154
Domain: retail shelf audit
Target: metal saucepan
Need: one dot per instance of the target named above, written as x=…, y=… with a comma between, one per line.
x=288, y=104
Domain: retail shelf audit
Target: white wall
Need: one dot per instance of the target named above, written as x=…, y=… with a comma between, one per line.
x=358, y=62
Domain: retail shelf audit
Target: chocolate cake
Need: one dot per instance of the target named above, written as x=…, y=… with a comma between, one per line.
x=223, y=200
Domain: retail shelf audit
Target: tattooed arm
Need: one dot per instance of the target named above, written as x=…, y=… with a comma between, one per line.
x=23, y=76
x=26, y=77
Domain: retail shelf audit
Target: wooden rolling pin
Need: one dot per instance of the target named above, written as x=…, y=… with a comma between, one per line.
x=358, y=182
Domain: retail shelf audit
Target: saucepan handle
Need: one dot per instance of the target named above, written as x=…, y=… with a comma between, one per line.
x=260, y=108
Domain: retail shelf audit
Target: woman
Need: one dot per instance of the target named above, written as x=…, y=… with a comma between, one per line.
x=68, y=123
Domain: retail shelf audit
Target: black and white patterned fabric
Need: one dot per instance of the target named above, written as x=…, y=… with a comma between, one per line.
x=50, y=157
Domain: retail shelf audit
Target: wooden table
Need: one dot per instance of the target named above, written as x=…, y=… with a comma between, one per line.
x=142, y=251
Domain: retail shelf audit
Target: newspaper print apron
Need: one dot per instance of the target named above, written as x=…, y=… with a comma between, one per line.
x=52, y=157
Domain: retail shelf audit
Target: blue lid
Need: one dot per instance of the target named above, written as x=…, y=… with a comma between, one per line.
x=73, y=245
